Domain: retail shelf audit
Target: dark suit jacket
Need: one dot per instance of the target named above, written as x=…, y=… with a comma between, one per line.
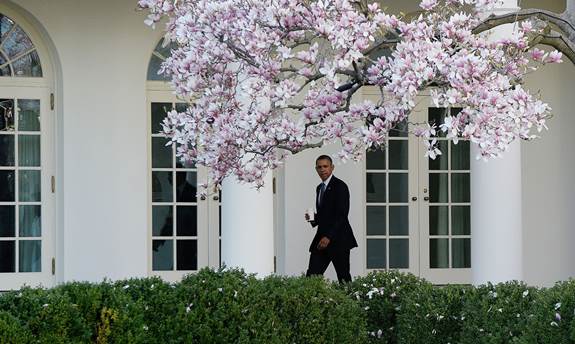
x=331, y=217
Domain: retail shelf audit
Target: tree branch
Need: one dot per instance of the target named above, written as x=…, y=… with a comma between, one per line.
x=563, y=39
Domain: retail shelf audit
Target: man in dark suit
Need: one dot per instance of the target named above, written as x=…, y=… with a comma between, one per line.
x=334, y=237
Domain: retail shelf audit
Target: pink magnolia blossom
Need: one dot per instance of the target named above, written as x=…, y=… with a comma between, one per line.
x=270, y=78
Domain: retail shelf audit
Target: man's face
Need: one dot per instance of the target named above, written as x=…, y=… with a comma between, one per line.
x=324, y=168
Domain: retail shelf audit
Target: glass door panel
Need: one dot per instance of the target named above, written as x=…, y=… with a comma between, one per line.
x=445, y=210
x=26, y=200
x=391, y=225
x=181, y=235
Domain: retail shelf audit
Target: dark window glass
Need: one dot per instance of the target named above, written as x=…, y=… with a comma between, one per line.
x=187, y=254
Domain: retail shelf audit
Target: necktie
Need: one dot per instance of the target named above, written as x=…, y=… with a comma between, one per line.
x=321, y=191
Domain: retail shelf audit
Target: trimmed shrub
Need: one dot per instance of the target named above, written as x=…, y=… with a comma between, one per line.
x=433, y=315
x=12, y=331
x=496, y=313
x=230, y=306
x=312, y=311
x=382, y=296
x=552, y=317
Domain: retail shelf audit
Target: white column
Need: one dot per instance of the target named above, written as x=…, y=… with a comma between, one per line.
x=247, y=226
x=496, y=229
x=496, y=220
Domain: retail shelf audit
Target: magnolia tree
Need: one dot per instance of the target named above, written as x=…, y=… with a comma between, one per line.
x=270, y=78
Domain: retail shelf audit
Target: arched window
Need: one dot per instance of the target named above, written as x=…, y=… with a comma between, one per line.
x=161, y=52
x=18, y=55
x=183, y=228
x=26, y=161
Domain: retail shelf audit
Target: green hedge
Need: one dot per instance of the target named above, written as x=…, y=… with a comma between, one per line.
x=208, y=307
x=402, y=308
x=233, y=307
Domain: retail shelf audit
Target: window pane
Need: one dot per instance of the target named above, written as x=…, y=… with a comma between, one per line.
x=181, y=107
x=398, y=154
x=375, y=160
x=161, y=154
x=29, y=115
x=5, y=71
x=179, y=162
x=30, y=221
x=437, y=116
x=460, y=155
x=460, y=188
x=29, y=150
x=375, y=220
x=187, y=223
x=186, y=187
x=398, y=221
x=30, y=256
x=440, y=161
x=187, y=255
x=159, y=111
x=5, y=25
x=400, y=130
x=398, y=187
x=7, y=221
x=460, y=220
x=162, y=255
x=438, y=220
x=439, y=253
x=165, y=49
x=28, y=65
x=438, y=187
x=7, y=150
x=399, y=253
x=16, y=43
x=376, y=254
x=154, y=68
x=6, y=114
x=7, y=186
x=375, y=187
x=29, y=186
x=162, y=186
x=7, y=256
x=162, y=220
x=461, y=253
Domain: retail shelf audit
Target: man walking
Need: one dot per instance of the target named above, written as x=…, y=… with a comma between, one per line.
x=334, y=237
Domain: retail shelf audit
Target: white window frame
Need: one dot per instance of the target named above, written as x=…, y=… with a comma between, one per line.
x=208, y=237
x=41, y=88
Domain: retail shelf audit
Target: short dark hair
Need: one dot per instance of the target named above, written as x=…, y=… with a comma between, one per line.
x=324, y=157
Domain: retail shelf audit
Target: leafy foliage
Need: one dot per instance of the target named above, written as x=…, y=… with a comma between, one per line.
x=230, y=306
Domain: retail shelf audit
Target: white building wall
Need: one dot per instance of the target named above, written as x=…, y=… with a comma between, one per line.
x=548, y=167
x=104, y=48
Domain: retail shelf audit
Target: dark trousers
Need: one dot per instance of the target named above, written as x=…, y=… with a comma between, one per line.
x=319, y=261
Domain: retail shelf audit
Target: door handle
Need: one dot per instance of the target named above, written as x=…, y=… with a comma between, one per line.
x=216, y=198
x=414, y=199
x=426, y=198
x=203, y=197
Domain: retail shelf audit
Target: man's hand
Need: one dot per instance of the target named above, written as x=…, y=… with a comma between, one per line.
x=323, y=243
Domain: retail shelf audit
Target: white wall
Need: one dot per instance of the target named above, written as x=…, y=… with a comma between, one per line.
x=549, y=182
x=104, y=48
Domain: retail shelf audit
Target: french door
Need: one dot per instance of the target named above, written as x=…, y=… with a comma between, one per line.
x=418, y=209
x=184, y=227
x=26, y=195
